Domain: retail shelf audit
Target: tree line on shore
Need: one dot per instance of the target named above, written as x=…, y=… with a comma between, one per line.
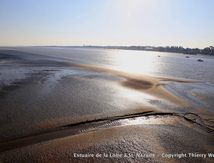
x=174, y=49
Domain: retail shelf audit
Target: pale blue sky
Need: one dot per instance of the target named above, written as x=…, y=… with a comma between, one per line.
x=189, y=23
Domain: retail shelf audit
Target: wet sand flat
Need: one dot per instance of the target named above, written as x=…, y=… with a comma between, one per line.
x=48, y=98
x=154, y=139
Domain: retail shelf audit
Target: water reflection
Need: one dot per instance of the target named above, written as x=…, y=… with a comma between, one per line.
x=147, y=120
x=135, y=96
x=134, y=61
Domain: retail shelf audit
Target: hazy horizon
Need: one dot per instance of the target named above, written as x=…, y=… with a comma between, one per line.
x=107, y=23
x=99, y=46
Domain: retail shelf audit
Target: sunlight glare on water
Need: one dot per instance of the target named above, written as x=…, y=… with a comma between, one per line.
x=135, y=96
x=134, y=62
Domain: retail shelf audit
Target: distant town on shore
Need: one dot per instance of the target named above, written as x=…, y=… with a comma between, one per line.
x=173, y=49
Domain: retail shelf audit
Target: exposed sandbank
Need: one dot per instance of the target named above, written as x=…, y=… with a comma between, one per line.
x=141, y=82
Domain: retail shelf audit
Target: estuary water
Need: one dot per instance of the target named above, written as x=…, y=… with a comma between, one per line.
x=142, y=62
x=42, y=88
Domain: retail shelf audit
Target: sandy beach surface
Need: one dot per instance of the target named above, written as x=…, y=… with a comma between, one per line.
x=73, y=104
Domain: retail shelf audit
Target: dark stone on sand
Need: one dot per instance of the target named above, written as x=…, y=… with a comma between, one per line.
x=200, y=60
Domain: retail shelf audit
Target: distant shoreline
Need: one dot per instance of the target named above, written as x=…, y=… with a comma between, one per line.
x=170, y=49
